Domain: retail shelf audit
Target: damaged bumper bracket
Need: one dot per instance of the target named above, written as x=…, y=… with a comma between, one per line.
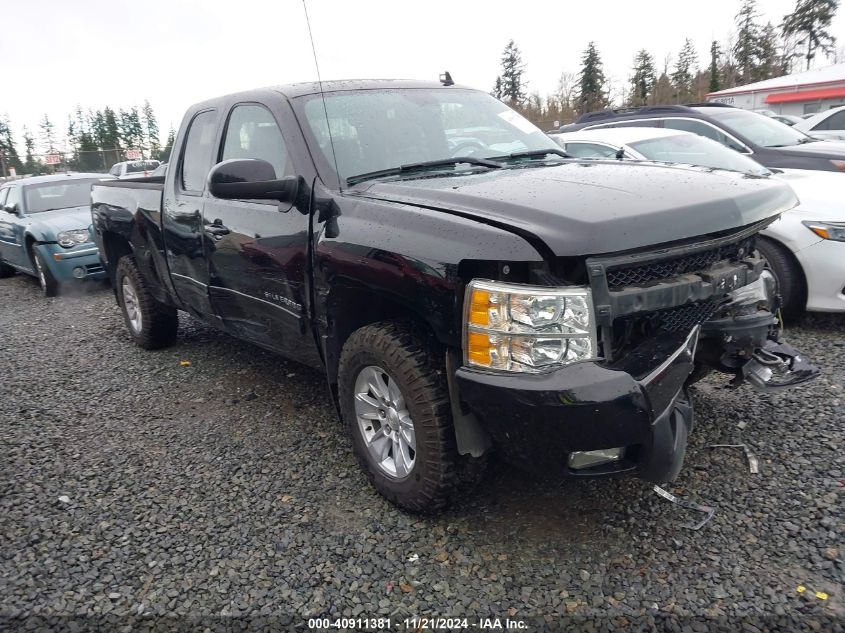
x=777, y=365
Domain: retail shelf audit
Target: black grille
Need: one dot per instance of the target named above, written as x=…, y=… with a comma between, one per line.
x=683, y=318
x=631, y=330
x=668, y=268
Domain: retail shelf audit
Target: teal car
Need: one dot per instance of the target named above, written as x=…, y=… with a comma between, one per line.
x=45, y=230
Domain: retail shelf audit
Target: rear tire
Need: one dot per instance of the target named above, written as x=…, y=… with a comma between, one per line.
x=151, y=324
x=6, y=270
x=788, y=276
x=49, y=284
x=400, y=363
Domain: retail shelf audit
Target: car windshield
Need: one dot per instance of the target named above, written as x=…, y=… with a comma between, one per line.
x=375, y=130
x=58, y=195
x=696, y=150
x=757, y=128
x=141, y=165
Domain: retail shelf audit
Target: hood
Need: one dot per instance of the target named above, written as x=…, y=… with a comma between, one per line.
x=817, y=149
x=819, y=193
x=594, y=207
x=49, y=223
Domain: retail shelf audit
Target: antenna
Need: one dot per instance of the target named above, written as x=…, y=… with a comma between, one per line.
x=322, y=94
x=446, y=79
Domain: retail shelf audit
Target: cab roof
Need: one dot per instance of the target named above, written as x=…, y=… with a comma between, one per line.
x=302, y=89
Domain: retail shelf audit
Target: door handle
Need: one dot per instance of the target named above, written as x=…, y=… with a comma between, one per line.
x=216, y=229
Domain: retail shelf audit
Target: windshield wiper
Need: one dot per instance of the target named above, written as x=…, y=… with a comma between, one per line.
x=533, y=153
x=432, y=164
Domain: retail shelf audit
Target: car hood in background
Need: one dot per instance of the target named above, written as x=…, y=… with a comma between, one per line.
x=46, y=225
x=817, y=149
x=594, y=207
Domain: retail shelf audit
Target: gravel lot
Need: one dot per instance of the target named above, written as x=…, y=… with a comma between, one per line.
x=155, y=494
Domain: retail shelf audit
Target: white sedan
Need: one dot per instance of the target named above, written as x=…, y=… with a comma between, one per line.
x=829, y=124
x=805, y=248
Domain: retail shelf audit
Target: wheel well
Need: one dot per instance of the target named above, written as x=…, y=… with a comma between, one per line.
x=115, y=246
x=792, y=260
x=353, y=308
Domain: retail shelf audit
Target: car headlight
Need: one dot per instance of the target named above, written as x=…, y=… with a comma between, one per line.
x=68, y=239
x=828, y=230
x=520, y=328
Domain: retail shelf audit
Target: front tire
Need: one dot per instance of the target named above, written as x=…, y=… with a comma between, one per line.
x=787, y=274
x=395, y=404
x=49, y=284
x=151, y=324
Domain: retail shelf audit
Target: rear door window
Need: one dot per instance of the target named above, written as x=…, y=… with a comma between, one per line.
x=833, y=122
x=703, y=129
x=197, y=152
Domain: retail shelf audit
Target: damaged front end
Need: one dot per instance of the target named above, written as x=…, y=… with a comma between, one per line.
x=718, y=284
x=743, y=338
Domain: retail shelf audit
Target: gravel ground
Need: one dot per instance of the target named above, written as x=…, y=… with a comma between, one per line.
x=136, y=492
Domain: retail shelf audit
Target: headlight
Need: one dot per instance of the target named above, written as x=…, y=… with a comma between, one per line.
x=519, y=328
x=67, y=239
x=828, y=230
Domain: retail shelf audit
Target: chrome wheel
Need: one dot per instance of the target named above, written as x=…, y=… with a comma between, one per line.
x=384, y=422
x=131, y=305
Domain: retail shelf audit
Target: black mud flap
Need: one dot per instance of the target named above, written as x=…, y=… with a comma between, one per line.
x=777, y=365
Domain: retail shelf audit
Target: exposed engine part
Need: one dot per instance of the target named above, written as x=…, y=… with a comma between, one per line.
x=777, y=366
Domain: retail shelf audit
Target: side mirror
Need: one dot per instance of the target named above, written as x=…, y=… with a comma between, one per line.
x=12, y=208
x=250, y=179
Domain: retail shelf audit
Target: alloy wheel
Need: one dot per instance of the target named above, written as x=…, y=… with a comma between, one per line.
x=132, y=306
x=384, y=422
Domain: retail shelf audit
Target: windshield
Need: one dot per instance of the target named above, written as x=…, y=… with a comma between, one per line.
x=757, y=128
x=141, y=165
x=696, y=150
x=58, y=195
x=374, y=130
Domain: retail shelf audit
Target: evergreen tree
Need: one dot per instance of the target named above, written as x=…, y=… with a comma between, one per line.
x=89, y=157
x=48, y=136
x=747, y=41
x=164, y=156
x=110, y=143
x=9, y=152
x=151, y=130
x=497, y=88
x=591, y=82
x=30, y=165
x=644, y=78
x=510, y=84
x=97, y=125
x=767, y=53
x=715, y=52
x=683, y=77
x=811, y=21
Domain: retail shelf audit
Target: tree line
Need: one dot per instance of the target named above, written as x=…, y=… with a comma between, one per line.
x=93, y=140
x=753, y=52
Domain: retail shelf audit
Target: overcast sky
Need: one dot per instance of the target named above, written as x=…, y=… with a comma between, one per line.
x=56, y=54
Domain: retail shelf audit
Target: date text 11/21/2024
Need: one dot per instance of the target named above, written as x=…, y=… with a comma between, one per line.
x=417, y=624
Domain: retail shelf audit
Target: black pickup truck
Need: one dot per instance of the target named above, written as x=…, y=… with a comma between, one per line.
x=461, y=282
